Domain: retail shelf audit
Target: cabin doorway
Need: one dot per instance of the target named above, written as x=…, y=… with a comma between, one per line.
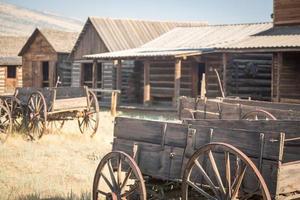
x=201, y=81
x=45, y=74
x=87, y=74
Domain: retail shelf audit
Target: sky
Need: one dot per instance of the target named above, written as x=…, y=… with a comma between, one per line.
x=211, y=11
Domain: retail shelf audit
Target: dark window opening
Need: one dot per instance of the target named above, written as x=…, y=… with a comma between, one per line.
x=12, y=72
x=45, y=72
x=99, y=75
x=88, y=74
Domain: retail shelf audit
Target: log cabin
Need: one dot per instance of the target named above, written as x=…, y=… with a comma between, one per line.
x=100, y=35
x=45, y=58
x=10, y=63
x=283, y=41
x=174, y=64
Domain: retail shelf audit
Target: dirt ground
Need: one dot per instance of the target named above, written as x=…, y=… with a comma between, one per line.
x=60, y=165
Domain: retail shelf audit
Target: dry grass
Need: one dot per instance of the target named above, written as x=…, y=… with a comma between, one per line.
x=59, y=166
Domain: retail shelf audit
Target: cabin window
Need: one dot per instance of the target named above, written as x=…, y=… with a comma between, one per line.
x=45, y=72
x=88, y=74
x=12, y=72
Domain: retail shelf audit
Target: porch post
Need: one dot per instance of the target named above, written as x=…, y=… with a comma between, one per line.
x=147, y=95
x=225, y=74
x=94, y=77
x=177, y=79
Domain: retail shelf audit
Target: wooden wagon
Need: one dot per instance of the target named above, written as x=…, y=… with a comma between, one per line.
x=196, y=108
x=36, y=108
x=214, y=159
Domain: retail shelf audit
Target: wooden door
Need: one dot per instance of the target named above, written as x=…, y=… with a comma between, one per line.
x=36, y=74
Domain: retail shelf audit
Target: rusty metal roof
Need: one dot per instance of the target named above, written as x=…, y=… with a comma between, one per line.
x=190, y=41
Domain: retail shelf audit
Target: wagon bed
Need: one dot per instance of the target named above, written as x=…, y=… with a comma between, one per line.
x=196, y=108
x=40, y=107
x=164, y=148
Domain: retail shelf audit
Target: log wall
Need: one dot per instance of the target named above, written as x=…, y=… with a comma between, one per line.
x=286, y=12
x=162, y=80
x=288, y=82
x=249, y=75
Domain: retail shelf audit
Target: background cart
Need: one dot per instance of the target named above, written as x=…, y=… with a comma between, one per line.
x=37, y=107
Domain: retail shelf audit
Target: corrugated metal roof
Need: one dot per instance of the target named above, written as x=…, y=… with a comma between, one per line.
x=191, y=40
x=9, y=49
x=133, y=53
x=61, y=41
x=206, y=37
x=277, y=37
x=122, y=34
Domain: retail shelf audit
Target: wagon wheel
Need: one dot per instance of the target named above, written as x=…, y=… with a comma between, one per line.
x=118, y=178
x=89, y=122
x=16, y=110
x=56, y=125
x=217, y=170
x=5, y=123
x=36, y=115
x=258, y=115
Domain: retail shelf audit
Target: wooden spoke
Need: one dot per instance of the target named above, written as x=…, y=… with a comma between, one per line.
x=126, y=180
x=206, y=177
x=216, y=172
x=203, y=184
x=107, y=182
x=130, y=192
x=118, y=188
x=112, y=176
x=103, y=193
x=36, y=116
x=5, y=123
x=228, y=174
x=239, y=182
x=195, y=187
x=89, y=122
x=119, y=170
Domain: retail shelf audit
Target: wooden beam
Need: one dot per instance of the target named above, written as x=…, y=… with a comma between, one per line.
x=279, y=66
x=224, y=73
x=147, y=94
x=94, y=77
x=177, y=79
